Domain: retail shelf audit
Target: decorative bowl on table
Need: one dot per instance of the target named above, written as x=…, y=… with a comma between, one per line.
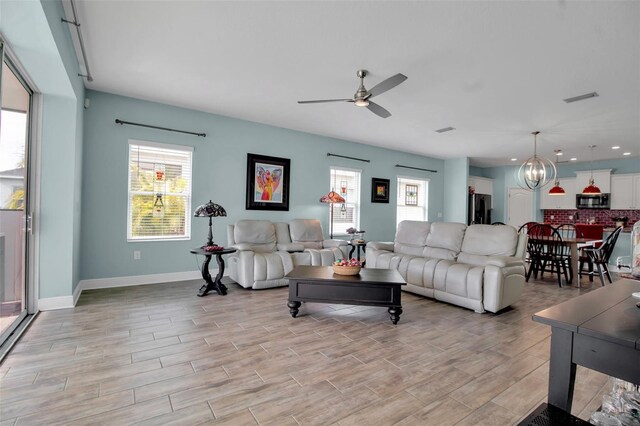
x=347, y=267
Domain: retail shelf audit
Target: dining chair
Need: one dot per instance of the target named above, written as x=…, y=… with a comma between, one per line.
x=600, y=256
x=498, y=223
x=566, y=231
x=544, y=246
x=524, y=229
x=591, y=232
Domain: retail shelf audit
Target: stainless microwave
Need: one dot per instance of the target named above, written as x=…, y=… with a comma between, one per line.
x=593, y=201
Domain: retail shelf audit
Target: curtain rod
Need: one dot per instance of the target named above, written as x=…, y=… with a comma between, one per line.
x=121, y=122
x=76, y=24
x=350, y=158
x=416, y=168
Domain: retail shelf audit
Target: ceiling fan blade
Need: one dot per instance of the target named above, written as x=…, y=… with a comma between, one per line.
x=387, y=84
x=325, y=100
x=378, y=110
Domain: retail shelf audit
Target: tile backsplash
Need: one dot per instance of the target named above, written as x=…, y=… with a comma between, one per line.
x=601, y=216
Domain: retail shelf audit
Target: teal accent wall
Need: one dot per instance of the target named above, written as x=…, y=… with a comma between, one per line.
x=34, y=32
x=456, y=177
x=476, y=171
x=219, y=173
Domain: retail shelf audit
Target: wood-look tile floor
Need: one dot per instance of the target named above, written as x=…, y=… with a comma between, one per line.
x=159, y=355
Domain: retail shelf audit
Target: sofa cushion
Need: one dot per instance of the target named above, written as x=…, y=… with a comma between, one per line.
x=411, y=237
x=444, y=241
x=260, y=235
x=305, y=230
x=489, y=240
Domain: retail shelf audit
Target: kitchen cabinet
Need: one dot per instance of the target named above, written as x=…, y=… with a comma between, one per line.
x=602, y=179
x=625, y=192
x=560, y=202
x=481, y=185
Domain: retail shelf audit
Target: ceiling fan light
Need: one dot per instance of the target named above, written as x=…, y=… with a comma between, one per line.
x=361, y=102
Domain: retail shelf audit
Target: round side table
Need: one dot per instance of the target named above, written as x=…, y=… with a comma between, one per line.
x=212, y=284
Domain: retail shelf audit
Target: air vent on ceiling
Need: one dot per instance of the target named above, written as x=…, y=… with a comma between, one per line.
x=445, y=129
x=581, y=97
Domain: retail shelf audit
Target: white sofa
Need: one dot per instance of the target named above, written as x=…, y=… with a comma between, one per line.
x=480, y=267
x=267, y=251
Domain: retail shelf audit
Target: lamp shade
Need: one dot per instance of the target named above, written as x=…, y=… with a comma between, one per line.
x=332, y=197
x=557, y=189
x=210, y=209
x=591, y=188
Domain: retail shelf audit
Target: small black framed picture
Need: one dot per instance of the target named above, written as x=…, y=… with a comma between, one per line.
x=267, y=182
x=379, y=190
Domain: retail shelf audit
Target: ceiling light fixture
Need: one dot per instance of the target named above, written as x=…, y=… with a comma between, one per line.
x=626, y=153
x=536, y=172
x=514, y=159
x=361, y=102
x=573, y=159
x=557, y=189
x=445, y=129
x=581, y=97
x=615, y=147
x=591, y=189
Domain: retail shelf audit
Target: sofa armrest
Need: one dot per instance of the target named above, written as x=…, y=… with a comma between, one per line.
x=505, y=261
x=290, y=247
x=379, y=245
x=333, y=243
x=503, y=286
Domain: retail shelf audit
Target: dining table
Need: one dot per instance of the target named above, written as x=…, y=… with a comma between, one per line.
x=575, y=244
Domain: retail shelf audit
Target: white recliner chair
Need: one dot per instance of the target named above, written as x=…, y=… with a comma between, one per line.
x=308, y=234
x=257, y=263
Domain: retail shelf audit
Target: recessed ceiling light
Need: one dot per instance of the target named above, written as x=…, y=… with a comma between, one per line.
x=574, y=159
x=559, y=153
x=581, y=97
x=615, y=147
x=445, y=129
x=626, y=153
x=514, y=159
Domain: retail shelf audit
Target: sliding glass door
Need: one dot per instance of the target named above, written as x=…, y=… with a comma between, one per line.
x=15, y=97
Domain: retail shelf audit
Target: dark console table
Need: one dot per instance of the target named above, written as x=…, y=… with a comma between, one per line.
x=372, y=287
x=211, y=284
x=599, y=330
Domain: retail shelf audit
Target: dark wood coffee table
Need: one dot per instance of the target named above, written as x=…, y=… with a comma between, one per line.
x=372, y=287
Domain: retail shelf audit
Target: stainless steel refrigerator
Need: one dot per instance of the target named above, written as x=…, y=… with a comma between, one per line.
x=479, y=209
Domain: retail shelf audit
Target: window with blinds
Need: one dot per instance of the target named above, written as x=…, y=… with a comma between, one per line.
x=159, y=192
x=412, y=203
x=346, y=182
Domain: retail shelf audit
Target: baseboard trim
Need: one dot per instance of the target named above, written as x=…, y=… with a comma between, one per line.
x=66, y=302
x=54, y=303
x=112, y=282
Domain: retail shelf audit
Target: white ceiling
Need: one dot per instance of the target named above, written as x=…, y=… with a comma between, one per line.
x=493, y=70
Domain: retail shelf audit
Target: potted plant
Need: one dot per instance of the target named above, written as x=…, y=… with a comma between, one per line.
x=620, y=220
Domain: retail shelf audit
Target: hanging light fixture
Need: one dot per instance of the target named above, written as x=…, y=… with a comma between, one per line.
x=557, y=189
x=591, y=189
x=536, y=172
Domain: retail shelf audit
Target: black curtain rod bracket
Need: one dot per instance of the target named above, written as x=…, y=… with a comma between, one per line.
x=416, y=168
x=349, y=158
x=121, y=122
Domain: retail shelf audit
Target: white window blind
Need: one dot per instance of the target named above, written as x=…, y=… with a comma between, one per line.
x=346, y=182
x=412, y=199
x=159, y=192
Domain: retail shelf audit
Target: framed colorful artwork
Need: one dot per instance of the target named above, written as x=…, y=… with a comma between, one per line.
x=267, y=182
x=379, y=190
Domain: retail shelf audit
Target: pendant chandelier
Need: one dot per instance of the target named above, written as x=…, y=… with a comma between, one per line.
x=591, y=189
x=536, y=172
x=557, y=189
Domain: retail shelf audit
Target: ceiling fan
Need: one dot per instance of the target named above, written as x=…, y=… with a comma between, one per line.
x=362, y=97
